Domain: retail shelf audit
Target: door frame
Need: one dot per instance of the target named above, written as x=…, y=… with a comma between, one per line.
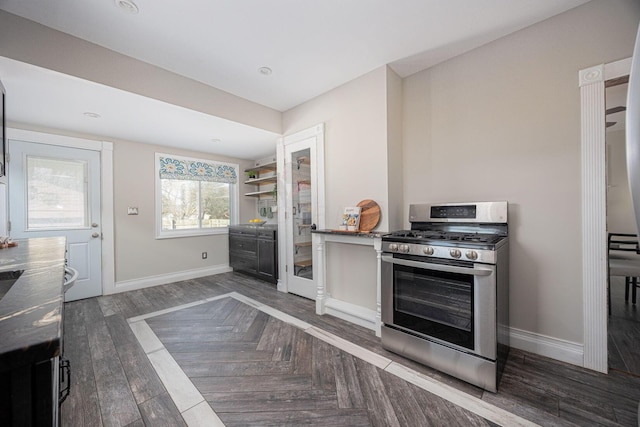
x=106, y=190
x=594, y=209
x=316, y=132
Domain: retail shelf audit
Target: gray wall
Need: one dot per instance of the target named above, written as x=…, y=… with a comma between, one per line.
x=138, y=253
x=356, y=164
x=502, y=122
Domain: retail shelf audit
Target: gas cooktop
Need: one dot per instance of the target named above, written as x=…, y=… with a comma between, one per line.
x=445, y=235
x=444, y=238
x=443, y=230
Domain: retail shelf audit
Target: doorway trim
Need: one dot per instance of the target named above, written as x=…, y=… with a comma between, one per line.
x=316, y=132
x=594, y=209
x=106, y=183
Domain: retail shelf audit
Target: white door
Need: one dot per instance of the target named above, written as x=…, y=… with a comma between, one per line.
x=303, y=207
x=55, y=191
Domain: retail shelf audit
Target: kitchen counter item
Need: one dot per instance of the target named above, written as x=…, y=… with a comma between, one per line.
x=369, y=215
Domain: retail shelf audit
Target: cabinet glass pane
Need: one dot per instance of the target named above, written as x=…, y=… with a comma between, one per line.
x=301, y=213
x=57, y=193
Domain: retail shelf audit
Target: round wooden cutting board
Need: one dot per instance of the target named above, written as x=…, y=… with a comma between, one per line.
x=369, y=215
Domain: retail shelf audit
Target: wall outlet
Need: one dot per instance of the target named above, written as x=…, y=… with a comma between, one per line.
x=132, y=211
x=204, y=255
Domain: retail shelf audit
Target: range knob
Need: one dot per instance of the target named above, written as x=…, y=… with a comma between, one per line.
x=428, y=250
x=404, y=249
x=455, y=253
x=393, y=247
x=471, y=255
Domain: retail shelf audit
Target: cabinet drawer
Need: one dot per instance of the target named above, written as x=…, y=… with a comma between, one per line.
x=267, y=234
x=243, y=261
x=242, y=231
x=242, y=244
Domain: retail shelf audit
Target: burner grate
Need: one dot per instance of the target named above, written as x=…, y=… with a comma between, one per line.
x=446, y=236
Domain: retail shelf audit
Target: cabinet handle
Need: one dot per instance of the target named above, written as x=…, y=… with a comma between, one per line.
x=65, y=367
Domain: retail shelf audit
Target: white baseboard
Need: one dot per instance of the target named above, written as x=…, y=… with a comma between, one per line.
x=554, y=348
x=351, y=313
x=146, y=282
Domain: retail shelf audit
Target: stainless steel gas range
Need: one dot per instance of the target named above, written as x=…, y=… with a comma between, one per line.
x=445, y=290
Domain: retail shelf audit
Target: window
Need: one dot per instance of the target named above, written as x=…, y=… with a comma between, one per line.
x=194, y=197
x=57, y=193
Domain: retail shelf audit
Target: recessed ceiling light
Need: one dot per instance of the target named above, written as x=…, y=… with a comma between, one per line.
x=92, y=115
x=216, y=140
x=128, y=6
x=265, y=70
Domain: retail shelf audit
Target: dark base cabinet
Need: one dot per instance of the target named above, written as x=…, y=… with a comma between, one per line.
x=254, y=250
x=29, y=395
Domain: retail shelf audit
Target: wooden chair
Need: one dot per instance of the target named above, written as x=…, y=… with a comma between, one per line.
x=624, y=260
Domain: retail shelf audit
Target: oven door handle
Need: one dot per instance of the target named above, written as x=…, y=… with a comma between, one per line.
x=438, y=267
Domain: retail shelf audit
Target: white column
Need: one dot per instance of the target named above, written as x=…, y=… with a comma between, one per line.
x=321, y=295
x=377, y=245
x=594, y=229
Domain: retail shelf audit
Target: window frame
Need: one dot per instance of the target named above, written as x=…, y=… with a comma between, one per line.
x=234, y=198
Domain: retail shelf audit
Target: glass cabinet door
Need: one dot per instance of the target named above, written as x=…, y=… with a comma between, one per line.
x=302, y=161
x=301, y=213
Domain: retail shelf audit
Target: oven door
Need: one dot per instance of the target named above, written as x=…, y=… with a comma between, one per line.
x=452, y=303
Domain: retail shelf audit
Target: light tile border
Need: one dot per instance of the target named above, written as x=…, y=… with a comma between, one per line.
x=184, y=394
x=197, y=412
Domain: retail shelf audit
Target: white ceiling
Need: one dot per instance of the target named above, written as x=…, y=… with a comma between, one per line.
x=311, y=47
x=53, y=100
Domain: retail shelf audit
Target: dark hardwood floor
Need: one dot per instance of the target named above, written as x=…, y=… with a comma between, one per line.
x=263, y=371
x=113, y=382
x=624, y=330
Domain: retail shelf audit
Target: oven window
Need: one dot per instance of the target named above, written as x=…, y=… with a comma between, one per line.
x=434, y=303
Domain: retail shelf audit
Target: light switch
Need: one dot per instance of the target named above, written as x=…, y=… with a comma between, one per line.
x=132, y=211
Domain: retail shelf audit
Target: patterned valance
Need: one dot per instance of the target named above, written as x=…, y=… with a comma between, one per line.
x=195, y=170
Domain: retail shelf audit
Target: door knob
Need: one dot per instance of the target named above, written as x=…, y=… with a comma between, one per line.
x=94, y=235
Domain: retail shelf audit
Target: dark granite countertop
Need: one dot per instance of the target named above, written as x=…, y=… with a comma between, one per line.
x=256, y=226
x=371, y=234
x=31, y=311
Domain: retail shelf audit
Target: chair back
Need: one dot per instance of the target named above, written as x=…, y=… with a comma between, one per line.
x=623, y=242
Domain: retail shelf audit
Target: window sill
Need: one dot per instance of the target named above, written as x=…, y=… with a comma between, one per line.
x=192, y=233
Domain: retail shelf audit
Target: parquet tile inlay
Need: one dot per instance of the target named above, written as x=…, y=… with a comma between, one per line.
x=253, y=368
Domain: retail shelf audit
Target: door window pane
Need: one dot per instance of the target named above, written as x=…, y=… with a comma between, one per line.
x=56, y=193
x=301, y=199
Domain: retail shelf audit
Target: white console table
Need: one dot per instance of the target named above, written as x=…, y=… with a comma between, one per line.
x=325, y=304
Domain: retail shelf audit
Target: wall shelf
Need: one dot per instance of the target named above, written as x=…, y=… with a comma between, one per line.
x=263, y=168
x=266, y=180
x=269, y=182
x=260, y=193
